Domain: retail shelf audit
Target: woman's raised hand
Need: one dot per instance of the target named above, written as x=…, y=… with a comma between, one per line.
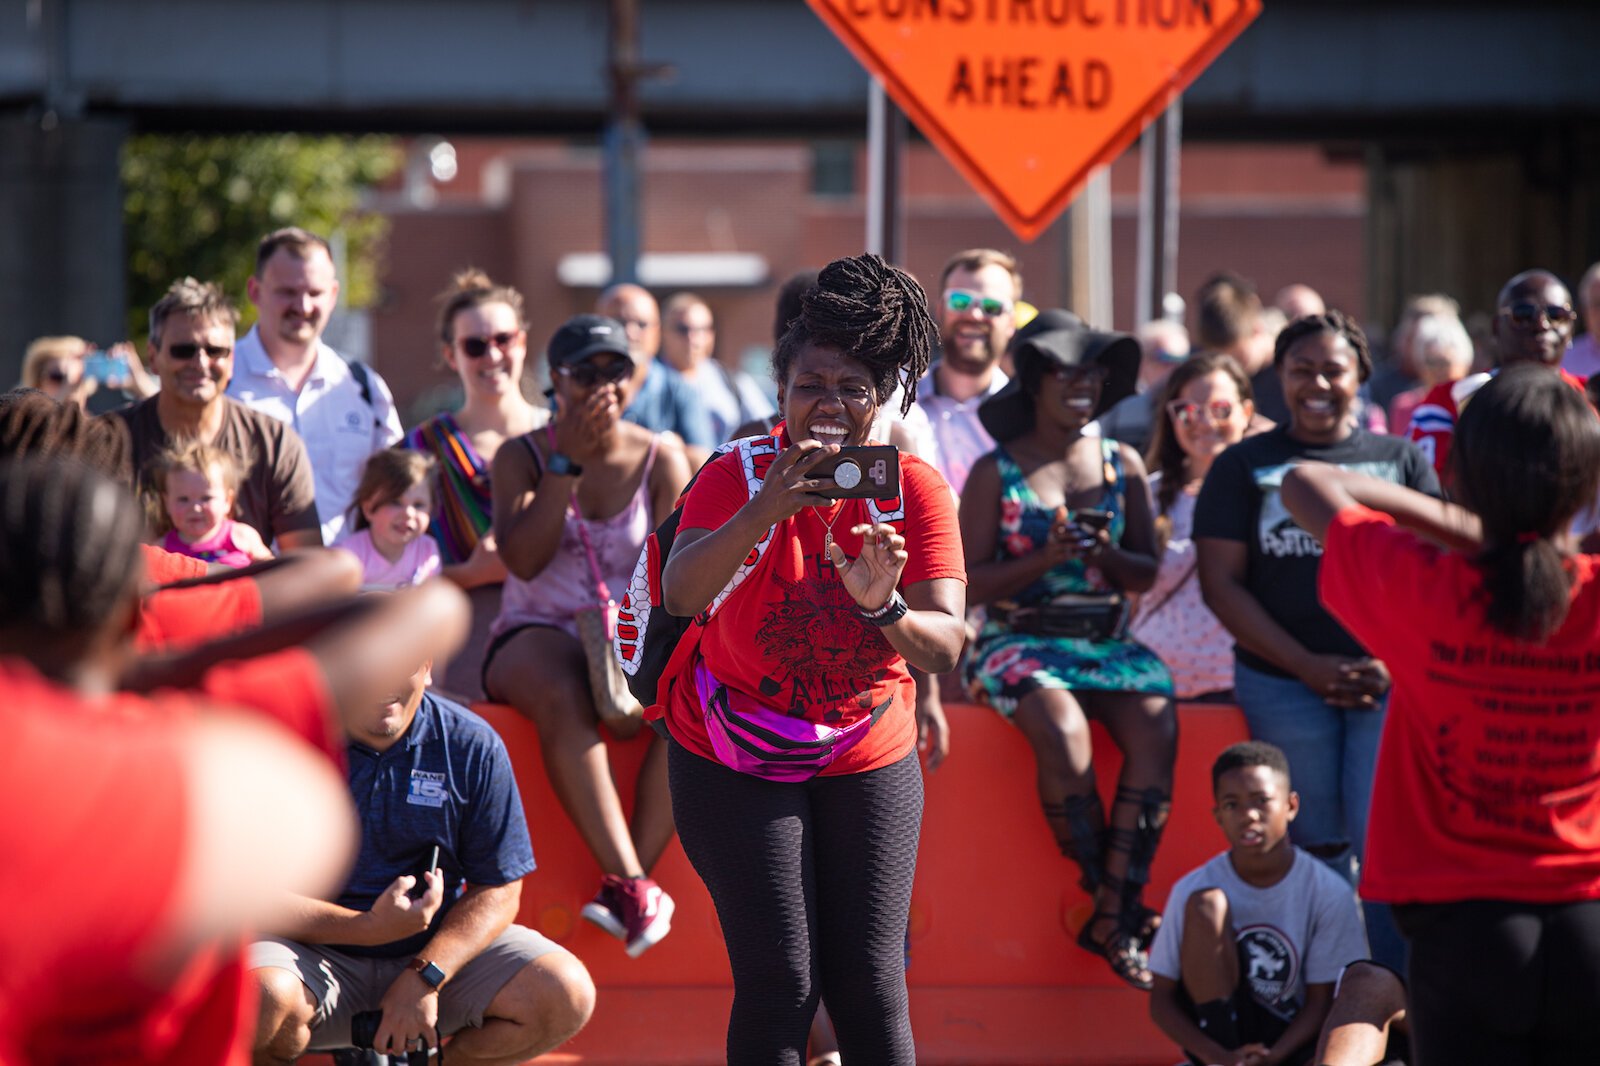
x=872, y=576
x=581, y=428
x=788, y=487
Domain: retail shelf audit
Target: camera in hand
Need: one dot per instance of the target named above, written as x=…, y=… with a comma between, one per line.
x=364, y=1027
x=868, y=472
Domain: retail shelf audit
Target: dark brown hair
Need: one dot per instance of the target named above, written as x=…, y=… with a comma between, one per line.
x=389, y=475
x=1166, y=455
x=472, y=288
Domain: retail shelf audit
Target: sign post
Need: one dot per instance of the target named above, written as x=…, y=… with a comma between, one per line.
x=1027, y=97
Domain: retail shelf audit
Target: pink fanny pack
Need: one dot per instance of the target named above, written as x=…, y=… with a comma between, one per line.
x=757, y=740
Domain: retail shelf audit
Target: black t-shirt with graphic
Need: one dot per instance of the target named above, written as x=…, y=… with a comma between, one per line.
x=1240, y=501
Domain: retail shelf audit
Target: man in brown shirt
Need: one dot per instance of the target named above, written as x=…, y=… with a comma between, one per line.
x=191, y=350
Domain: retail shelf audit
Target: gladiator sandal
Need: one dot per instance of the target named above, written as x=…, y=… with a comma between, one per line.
x=1079, y=825
x=1139, y=843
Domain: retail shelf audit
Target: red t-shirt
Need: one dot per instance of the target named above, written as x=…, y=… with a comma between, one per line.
x=180, y=619
x=207, y=1012
x=95, y=849
x=1433, y=421
x=162, y=567
x=792, y=637
x=1488, y=775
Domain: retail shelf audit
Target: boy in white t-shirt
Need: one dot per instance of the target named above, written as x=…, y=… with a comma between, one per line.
x=1253, y=941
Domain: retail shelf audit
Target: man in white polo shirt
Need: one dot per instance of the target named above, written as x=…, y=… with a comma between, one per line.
x=343, y=411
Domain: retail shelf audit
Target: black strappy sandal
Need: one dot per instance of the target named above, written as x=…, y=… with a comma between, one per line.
x=1122, y=949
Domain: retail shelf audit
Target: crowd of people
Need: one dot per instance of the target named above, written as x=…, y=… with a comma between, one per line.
x=1088, y=526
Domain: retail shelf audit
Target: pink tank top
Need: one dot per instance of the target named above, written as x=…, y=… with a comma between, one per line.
x=217, y=548
x=566, y=583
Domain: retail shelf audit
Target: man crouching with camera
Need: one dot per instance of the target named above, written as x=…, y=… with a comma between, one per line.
x=420, y=944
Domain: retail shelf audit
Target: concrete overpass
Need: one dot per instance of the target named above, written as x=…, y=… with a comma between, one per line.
x=1477, y=118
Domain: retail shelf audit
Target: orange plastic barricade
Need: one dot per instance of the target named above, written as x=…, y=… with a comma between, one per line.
x=995, y=975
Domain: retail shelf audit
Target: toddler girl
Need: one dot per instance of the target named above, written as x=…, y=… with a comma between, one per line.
x=197, y=484
x=390, y=516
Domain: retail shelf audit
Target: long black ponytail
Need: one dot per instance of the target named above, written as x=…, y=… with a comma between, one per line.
x=1527, y=460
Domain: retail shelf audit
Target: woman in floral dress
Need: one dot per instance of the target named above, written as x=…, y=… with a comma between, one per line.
x=1075, y=535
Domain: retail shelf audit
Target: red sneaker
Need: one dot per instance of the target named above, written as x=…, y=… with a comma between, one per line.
x=633, y=909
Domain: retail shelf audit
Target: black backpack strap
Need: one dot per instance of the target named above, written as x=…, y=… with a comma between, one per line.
x=363, y=382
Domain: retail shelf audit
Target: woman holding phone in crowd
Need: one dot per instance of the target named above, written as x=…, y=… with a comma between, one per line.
x=1302, y=680
x=1486, y=807
x=1074, y=537
x=809, y=853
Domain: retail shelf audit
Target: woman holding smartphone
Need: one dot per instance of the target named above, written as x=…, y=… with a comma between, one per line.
x=1074, y=536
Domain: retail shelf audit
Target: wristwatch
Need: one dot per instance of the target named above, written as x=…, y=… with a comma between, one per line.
x=561, y=466
x=427, y=971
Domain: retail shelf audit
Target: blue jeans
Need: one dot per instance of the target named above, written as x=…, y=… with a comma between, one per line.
x=1332, y=753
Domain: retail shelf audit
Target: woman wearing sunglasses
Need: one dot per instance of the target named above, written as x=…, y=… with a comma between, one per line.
x=573, y=504
x=1057, y=529
x=483, y=339
x=1303, y=682
x=1204, y=407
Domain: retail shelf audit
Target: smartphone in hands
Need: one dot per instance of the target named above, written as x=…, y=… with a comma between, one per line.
x=867, y=472
x=420, y=889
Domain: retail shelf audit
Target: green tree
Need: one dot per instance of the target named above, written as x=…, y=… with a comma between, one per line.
x=198, y=205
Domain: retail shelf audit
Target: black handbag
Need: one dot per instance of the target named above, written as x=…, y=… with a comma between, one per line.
x=1079, y=616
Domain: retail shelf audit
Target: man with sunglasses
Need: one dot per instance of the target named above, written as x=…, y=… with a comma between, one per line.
x=978, y=292
x=1533, y=323
x=342, y=410
x=191, y=350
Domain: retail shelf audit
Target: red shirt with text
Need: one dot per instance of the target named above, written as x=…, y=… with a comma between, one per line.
x=1488, y=775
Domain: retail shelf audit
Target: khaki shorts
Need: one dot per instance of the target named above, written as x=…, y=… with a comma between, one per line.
x=344, y=985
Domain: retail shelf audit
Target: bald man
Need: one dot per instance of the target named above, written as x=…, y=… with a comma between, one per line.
x=659, y=398
x=1533, y=323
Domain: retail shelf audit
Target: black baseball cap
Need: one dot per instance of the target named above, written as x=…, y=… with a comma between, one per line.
x=584, y=335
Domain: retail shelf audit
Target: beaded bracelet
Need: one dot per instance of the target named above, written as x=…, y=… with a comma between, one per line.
x=889, y=613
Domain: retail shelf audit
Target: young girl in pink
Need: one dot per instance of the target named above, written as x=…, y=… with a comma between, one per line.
x=390, y=518
x=197, y=484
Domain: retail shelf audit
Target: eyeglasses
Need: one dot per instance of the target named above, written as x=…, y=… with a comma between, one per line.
x=960, y=301
x=853, y=395
x=189, y=351
x=1527, y=315
x=588, y=373
x=1189, y=414
x=478, y=347
x=686, y=329
x=56, y=377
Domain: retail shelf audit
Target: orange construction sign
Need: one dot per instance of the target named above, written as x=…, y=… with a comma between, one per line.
x=1027, y=97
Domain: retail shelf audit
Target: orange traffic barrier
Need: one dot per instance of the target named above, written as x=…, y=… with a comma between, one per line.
x=995, y=975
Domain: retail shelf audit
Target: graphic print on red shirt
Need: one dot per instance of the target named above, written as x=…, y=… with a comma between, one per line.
x=791, y=636
x=1488, y=776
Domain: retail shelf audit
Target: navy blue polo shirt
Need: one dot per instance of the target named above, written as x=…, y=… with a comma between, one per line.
x=447, y=782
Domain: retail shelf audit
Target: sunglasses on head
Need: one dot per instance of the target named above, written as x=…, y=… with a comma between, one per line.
x=1185, y=413
x=189, y=351
x=478, y=347
x=587, y=374
x=961, y=301
x=1526, y=314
